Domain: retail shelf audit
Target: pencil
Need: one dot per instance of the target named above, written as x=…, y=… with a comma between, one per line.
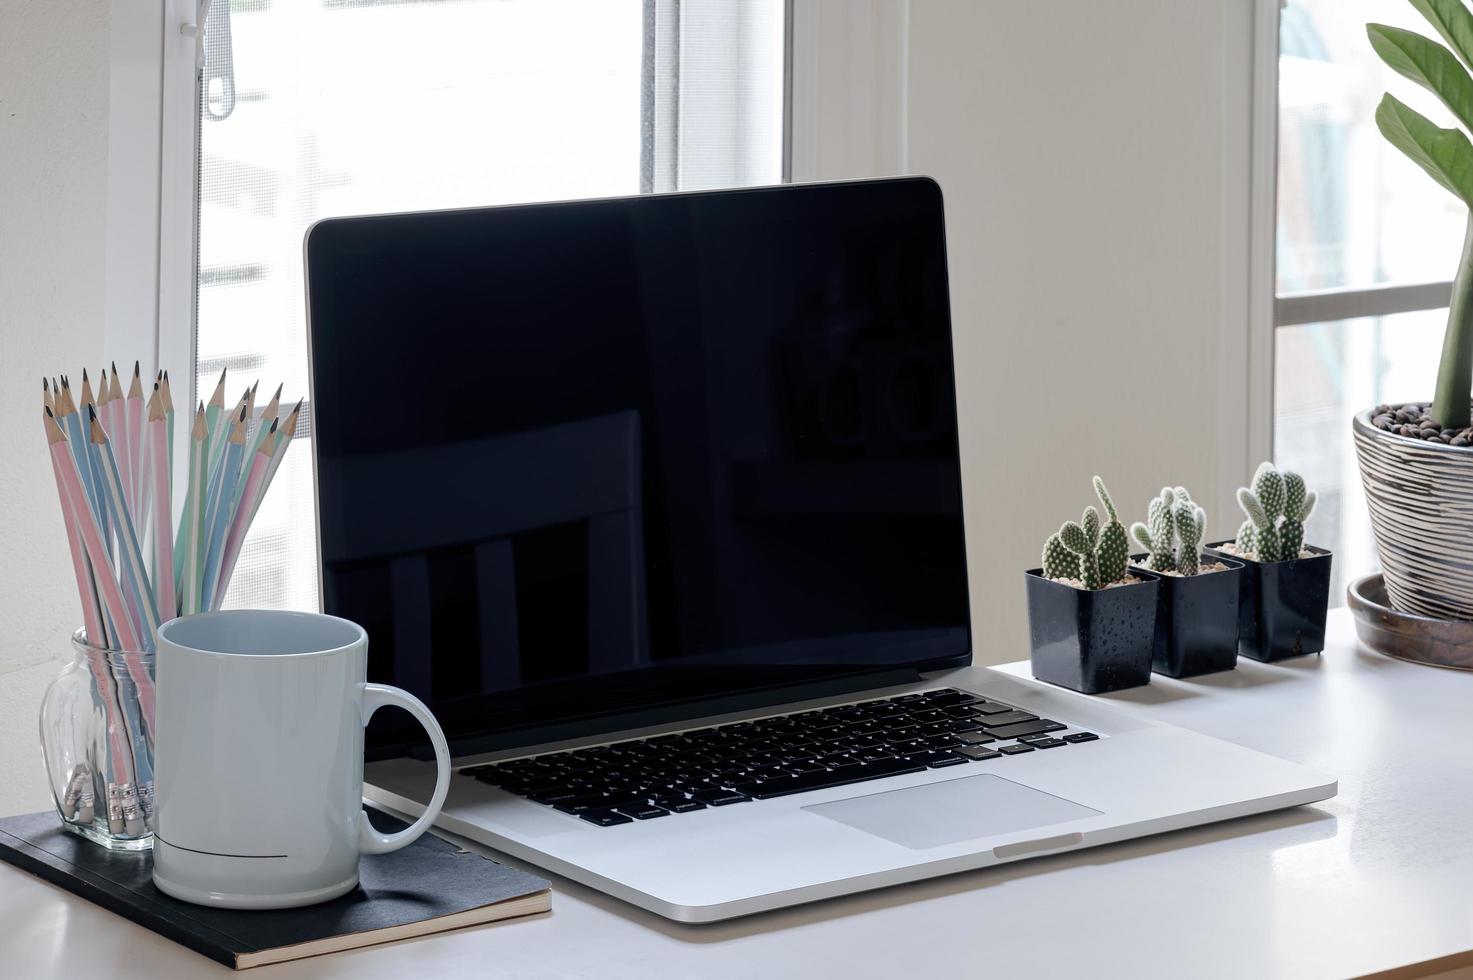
x=86, y=589
x=241, y=522
x=218, y=521
x=214, y=409
x=91, y=535
x=129, y=448
x=46, y=399
x=189, y=531
x=261, y=427
x=130, y=556
x=163, y=513
x=168, y=397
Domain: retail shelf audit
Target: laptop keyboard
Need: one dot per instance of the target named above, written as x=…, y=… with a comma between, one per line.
x=642, y=779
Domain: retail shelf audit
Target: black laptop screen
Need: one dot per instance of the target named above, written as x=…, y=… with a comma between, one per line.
x=581, y=464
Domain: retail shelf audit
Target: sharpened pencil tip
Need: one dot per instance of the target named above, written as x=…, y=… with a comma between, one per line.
x=84, y=375
x=135, y=369
x=49, y=413
x=45, y=385
x=91, y=414
x=115, y=367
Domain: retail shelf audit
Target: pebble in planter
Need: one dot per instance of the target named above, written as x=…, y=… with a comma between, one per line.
x=1090, y=619
x=1285, y=586
x=1197, y=615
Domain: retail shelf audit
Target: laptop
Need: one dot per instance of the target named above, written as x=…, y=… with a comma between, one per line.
x=656, y=502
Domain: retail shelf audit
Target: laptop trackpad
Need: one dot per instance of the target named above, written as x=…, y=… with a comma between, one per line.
x=951, y=811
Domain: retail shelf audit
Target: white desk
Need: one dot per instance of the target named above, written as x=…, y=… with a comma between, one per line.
x=1379, y=877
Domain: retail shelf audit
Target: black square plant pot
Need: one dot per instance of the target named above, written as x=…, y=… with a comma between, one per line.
x=1197, y=620
x=1282, y=605
x=1092, y=640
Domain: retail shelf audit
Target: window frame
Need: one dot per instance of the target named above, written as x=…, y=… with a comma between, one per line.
x=1274, y=310
x=153, y=167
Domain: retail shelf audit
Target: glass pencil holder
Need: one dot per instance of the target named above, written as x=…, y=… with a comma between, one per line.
x=97, y=739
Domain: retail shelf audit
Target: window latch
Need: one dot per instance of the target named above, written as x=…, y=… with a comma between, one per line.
x=197, y=31
x=214, y=56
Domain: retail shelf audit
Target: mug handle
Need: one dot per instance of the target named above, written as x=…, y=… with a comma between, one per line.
x=371, y=840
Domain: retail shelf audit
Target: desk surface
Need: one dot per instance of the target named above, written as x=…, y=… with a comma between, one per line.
x=1379, y=877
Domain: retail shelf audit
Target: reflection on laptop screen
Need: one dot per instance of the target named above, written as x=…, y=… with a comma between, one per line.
x=592, y=458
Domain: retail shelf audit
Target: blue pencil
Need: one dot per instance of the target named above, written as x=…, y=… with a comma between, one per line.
x=130, y=555
x=222, y=508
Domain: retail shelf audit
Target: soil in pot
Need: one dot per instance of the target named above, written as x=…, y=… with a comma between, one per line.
x=1092, y=640
x=1282, y=605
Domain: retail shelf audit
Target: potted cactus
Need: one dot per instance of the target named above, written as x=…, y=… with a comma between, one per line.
x=1416, y=459
x=1091, y=619
x=1197, y=615
x=1284, y=588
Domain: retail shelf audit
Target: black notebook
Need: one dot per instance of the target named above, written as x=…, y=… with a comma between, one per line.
x=428, y=887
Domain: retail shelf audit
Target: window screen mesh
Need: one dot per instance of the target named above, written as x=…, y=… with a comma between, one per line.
x=320, y=108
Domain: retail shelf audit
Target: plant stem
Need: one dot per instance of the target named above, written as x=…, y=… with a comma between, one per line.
x=1450, y=407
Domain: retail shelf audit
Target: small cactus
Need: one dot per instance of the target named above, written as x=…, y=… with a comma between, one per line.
x=1277, y=506
x=1093, y=551
x=1172, y=533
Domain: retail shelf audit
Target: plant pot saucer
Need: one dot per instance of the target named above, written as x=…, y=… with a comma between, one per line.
x=1407, y=636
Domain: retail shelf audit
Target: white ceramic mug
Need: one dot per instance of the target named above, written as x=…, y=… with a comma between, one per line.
x=258, y=758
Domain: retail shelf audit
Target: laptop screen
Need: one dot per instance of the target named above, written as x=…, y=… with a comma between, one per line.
x=594, y=464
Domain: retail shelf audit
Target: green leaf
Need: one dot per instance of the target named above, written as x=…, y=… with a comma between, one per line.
x=1453, y=22
x=1428, y=64
x=1445, y=154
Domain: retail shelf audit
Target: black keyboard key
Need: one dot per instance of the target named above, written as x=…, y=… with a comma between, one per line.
x=907, y=699
x=967, y=725
x=942, y=698
x=977, y=752
x=943, y=741
x=1046, y=743
x=575, y=807
x=927, y=716
x=1018, y=749
x=837, y=777
x=959, y=711
x=975, y=738
x=873, y=755
x=992, y=707
x=604, y=818
x=551, y=796
x=837, y=761
x=1081, y=737
x=645, y=812
x=944, y=759
x=1038, y=727
x=1007, y=718
x=719, y=797
x=679, y=804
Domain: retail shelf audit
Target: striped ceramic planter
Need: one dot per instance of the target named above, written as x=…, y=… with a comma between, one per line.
x=1420, y=496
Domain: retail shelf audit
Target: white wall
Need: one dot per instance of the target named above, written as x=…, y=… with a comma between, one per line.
x=1094, y=161
x=1093, y=157
x=53, y=157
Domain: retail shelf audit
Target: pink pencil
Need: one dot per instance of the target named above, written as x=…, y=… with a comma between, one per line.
x=67, y=480
x=241, y=523
x=91, y=613
x=131, y=455
x=107, y=581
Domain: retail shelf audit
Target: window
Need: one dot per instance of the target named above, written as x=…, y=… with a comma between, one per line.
x=318, y=108
x=1366, y=246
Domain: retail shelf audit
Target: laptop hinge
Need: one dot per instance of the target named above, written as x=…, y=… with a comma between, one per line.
x=767, y=700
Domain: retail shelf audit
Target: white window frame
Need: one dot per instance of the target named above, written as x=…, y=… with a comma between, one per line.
x=1271, y=309
x=153, y=170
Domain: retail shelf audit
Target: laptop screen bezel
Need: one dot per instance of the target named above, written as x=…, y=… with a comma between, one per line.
x=492, y=738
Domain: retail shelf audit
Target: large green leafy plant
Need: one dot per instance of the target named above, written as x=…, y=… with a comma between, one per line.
x=1447, y=156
